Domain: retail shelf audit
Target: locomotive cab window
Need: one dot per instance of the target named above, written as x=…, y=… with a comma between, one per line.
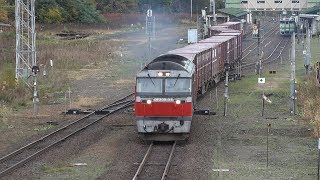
x=149, y=85
x=177, y=85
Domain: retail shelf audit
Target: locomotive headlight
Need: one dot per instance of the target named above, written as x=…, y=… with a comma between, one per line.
x=160, y=73
x=149, y=101
x=167, y=74
x=178, y=102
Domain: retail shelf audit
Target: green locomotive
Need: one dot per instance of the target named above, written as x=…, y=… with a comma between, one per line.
x=287, y=26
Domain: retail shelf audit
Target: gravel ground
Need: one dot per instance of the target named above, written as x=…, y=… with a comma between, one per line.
x=111, y=149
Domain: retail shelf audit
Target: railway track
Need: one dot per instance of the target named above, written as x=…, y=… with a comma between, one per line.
x=158, y=166
x=274, y=55
x=27, y=153
x=267, y=35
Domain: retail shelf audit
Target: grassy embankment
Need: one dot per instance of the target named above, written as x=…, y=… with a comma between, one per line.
x=70, y=58
x=308, y=90
x=241, y=144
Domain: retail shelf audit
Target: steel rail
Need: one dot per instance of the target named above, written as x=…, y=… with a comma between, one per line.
x=166, y=170
x=145, y=158
x=271, y=30
x=269, y=34
x=265, y=60
x=124, y=104
x=64, y=127
x=143, y=162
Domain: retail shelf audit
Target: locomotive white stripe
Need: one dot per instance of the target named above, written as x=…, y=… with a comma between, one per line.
x=156, y=99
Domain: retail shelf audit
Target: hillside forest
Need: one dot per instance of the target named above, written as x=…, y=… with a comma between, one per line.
x=91, y=11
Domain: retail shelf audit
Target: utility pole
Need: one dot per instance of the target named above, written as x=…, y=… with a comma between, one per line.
x=292, y=76
x=257, y=34
x=259, y=50
x=226, y=90
x=191, y=9
x=307, y=51
x=26, y=61
x=213, y=10
x=150, y=28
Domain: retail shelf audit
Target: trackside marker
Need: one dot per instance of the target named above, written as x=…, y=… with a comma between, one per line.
x=261, y=80
x=221, y=170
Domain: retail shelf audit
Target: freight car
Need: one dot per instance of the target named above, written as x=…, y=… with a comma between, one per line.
x=235, y=60
x=231, y=49
x=214, y=30
x=167, y=88
x=233, y=25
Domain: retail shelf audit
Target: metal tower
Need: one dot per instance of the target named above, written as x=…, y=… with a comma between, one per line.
x=25, y=40
x=26, y=63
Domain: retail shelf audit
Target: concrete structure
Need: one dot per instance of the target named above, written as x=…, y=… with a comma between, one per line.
x=310, y=17
x=311, y=21
x=227, y=14
x=271, y=5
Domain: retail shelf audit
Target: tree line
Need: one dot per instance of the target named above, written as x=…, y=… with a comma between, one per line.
x=89, y=11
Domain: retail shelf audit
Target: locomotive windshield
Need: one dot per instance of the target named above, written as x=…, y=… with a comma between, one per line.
x=177, y=85
x=149, y=85
x=172, y=86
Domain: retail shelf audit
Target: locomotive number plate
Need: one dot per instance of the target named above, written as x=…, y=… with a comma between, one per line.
x=163, y=99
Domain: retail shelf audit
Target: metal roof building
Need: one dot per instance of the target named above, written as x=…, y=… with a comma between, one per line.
x=271, y=5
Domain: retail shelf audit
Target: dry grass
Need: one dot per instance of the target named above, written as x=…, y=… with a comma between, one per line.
x=67, y=55
x=4, y=113
x=74, y=54
x=87, y=102
x=309, y=98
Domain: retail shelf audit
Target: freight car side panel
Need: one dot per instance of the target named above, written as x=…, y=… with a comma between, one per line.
x=215, y=64
x=229, y=47
x=204, y=67
x=237, y=43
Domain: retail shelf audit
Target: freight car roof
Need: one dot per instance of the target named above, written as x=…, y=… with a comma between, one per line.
x=193, y=48
x=223, y=29
x=228, y=34
x=230, y=23
x=217, y=39
x=219, y=26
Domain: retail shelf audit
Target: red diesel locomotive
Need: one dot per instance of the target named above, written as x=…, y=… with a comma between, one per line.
x=167, y=88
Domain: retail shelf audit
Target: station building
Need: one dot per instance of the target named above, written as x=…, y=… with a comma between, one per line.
x=271, y=5
x=283, y=6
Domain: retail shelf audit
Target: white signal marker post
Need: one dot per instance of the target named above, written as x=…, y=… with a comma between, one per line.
x=262, y=81
x=318, y=158
x=226, y=92
x=292, y=76
x=150, y=28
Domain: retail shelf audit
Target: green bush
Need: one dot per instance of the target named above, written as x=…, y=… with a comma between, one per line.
x=11, y=91
x=59, y=11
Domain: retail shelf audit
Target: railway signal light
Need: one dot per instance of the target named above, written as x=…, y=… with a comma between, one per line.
x=35, y=69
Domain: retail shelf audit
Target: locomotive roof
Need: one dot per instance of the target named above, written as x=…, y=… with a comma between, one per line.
x=170, y=62
x=217, y=39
